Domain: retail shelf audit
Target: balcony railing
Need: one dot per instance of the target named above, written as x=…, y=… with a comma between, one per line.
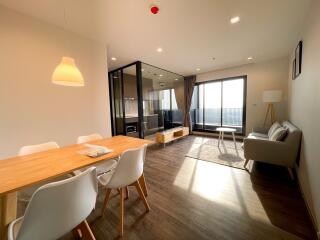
x=212, y=117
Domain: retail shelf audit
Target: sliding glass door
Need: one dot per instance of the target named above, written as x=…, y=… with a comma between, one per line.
x=219, y=103
x=232, y=103
x=212, y=105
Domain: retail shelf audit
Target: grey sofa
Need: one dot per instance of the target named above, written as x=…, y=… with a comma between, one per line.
x=258, y=147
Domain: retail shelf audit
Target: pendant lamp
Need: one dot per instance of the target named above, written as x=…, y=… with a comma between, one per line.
x=67, y=74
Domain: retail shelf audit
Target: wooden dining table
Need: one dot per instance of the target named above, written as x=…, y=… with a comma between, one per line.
x=23, y=171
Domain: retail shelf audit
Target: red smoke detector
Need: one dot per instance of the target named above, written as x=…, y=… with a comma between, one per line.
x=154, y=9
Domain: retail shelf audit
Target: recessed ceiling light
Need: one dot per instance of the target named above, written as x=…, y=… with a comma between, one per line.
x=198, y=69
x=176, y=79
x=160, y=75
x=234, y=20
x=142, y=69
x=114, y=59
x=159, y=49
x=250, y=58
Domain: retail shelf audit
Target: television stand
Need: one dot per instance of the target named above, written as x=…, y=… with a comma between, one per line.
x=170, y=135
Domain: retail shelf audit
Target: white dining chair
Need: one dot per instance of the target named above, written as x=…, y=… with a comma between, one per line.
x=57, y=208
x=102, y=167
x=142, y=179
x=127, y=173
x=26, y=193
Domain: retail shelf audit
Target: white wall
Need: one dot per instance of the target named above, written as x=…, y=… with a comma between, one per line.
x=261, y=76
x=32, y=109
x=304, y=111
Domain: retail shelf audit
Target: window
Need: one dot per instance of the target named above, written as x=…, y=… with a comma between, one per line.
x=219, y=103
x=172, y=115
x=168, y=99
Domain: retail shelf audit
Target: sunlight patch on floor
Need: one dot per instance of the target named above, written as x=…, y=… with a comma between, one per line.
x=220, y=184
x=204, y=179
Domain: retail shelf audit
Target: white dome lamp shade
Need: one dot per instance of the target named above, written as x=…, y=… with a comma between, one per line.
x=67, y=74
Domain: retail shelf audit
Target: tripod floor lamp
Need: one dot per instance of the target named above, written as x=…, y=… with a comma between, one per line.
x=270, y=97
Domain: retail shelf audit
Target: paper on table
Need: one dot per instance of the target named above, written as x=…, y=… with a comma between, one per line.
x=95, y=150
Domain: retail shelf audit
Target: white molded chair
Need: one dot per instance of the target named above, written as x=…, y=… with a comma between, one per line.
x=127, y=173
x=102, y=167
x=142, y=179
x=57, y=208
x=26, y=193
x=88, y=138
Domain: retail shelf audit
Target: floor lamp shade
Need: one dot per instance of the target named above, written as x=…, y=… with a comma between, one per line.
x=67, y=74
x=272, y=96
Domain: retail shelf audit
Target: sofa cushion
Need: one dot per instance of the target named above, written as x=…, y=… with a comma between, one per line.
x=274, y=127
x=279, y=134
x=255, y=135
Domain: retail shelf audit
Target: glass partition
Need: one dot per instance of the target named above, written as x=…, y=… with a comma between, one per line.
x=163, y=99
x=117, y=110
x=145, y=99
x=130, y=98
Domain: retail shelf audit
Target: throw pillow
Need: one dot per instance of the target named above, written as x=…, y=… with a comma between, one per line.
x=279, y=134
x=274, y=127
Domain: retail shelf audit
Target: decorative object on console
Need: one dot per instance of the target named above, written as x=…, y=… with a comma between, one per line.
x=270, y=97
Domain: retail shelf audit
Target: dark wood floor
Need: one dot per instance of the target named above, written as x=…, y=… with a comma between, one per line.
x=193, y=199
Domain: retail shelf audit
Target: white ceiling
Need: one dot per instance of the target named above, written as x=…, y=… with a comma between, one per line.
x=190, y=32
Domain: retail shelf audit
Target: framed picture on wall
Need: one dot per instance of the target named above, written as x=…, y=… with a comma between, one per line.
x=294, y=69
x=298, y=59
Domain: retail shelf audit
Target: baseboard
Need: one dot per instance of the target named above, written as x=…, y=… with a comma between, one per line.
x=313, y=219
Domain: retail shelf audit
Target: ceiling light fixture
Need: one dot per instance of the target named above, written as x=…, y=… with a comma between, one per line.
x=160, y=75
x=198, y=69
x=114, y=59
x=159, y=49
x=142, y=69
x=67, y=74
x=176, y=79
x=234, y=20
x=250, y=58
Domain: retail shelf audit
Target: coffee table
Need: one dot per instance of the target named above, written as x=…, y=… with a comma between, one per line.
x=222, y=130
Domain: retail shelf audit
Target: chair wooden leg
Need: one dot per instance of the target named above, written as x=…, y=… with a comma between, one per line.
x=291, y=173
x=108, y=191
x=127, y=192
x=143, y=185
x=138, y=187
x=245, y=163
x=76, y=233
x=121, y=212
x=85, y=231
